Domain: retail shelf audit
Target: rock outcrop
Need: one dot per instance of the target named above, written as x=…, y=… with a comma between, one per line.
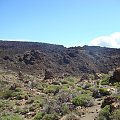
x=116, y=76
x=48, y=74
x=35, y=58
x=108, y=101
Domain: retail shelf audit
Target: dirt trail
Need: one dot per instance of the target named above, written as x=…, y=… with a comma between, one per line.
x=92, y=112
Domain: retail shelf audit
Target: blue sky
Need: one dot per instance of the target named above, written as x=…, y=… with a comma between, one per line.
x=66, y=22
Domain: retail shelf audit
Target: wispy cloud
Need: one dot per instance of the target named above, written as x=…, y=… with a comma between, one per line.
x=112, y=41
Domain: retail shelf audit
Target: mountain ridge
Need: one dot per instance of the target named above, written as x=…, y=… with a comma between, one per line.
x=35, y=58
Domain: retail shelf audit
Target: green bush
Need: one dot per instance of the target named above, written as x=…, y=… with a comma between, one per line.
x=83, y=100
x=88, y=92
x=78, y=89
x=86, y=86
x=52, y=89
x=39, y=116
x=24, y=111
x=18, y=94
x=69, y=80
x=6, y=105
x=105, y=113
x=116, y=115
x=117, y=84
x=5, y=94
x=105, y=80
x=50, y=117
x=37, y=103
x=104, y=91
x=64, y=82
x=39, y=86
x=65, y=109
x=9, y=116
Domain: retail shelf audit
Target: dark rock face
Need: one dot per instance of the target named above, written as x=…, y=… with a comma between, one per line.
x=108, y=101
x=96, y=93
x=31, y=57
x=84, y=77
x=35, y=58
x=48, y=74
x=13, y=87
x=116, y=75
x=112, y=101
x=7, y=58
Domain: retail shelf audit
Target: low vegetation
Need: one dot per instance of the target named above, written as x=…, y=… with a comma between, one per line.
x=54, y=99
x=105, y=113
x=10, y=116
x=83, y=100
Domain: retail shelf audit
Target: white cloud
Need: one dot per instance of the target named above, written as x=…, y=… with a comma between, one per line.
x=112, y=41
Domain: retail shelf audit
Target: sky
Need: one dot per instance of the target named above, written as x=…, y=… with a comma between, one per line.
x=65, y=22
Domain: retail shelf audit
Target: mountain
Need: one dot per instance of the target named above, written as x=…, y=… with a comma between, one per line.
x=34, y=58
x=40, y=81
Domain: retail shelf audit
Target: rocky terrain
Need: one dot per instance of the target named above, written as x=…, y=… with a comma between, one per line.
x=41, y=81
x=36, y=58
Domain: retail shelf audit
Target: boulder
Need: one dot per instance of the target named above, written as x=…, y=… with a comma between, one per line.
x=48, y=74
x=108, y=101
x=13, y=87
x=96, y=93
x=84, y=77
x=7, y=58
x=116, y=76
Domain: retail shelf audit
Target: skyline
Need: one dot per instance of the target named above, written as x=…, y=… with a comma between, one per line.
x=65, y=22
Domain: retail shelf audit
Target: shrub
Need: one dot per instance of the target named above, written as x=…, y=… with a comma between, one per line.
x=98, y=82
x=39, y=116
x=64, y=82
x=105, y=80
x=18, y=94
x=65, y=109
x=38, y=102
x=24, y=111
x=6, y=105
x=117, y=84
x=9, y=116
x=116, y=115
x=83, y=100
x=69, y=80
x=64, y=96
x=39, y=86
x=88, y=92
x=52, y=89
x=50, y=117
x=104, y=91
x=86, y=86
x=105, y=113
x=6, y=94
x=78, y=88
x=65, y=87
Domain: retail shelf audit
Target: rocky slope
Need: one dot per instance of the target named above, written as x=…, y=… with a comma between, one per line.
x=25, y=95
x=35, y=58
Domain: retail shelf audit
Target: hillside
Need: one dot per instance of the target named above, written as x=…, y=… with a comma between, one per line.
x=40, y=81
x=35, y=58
